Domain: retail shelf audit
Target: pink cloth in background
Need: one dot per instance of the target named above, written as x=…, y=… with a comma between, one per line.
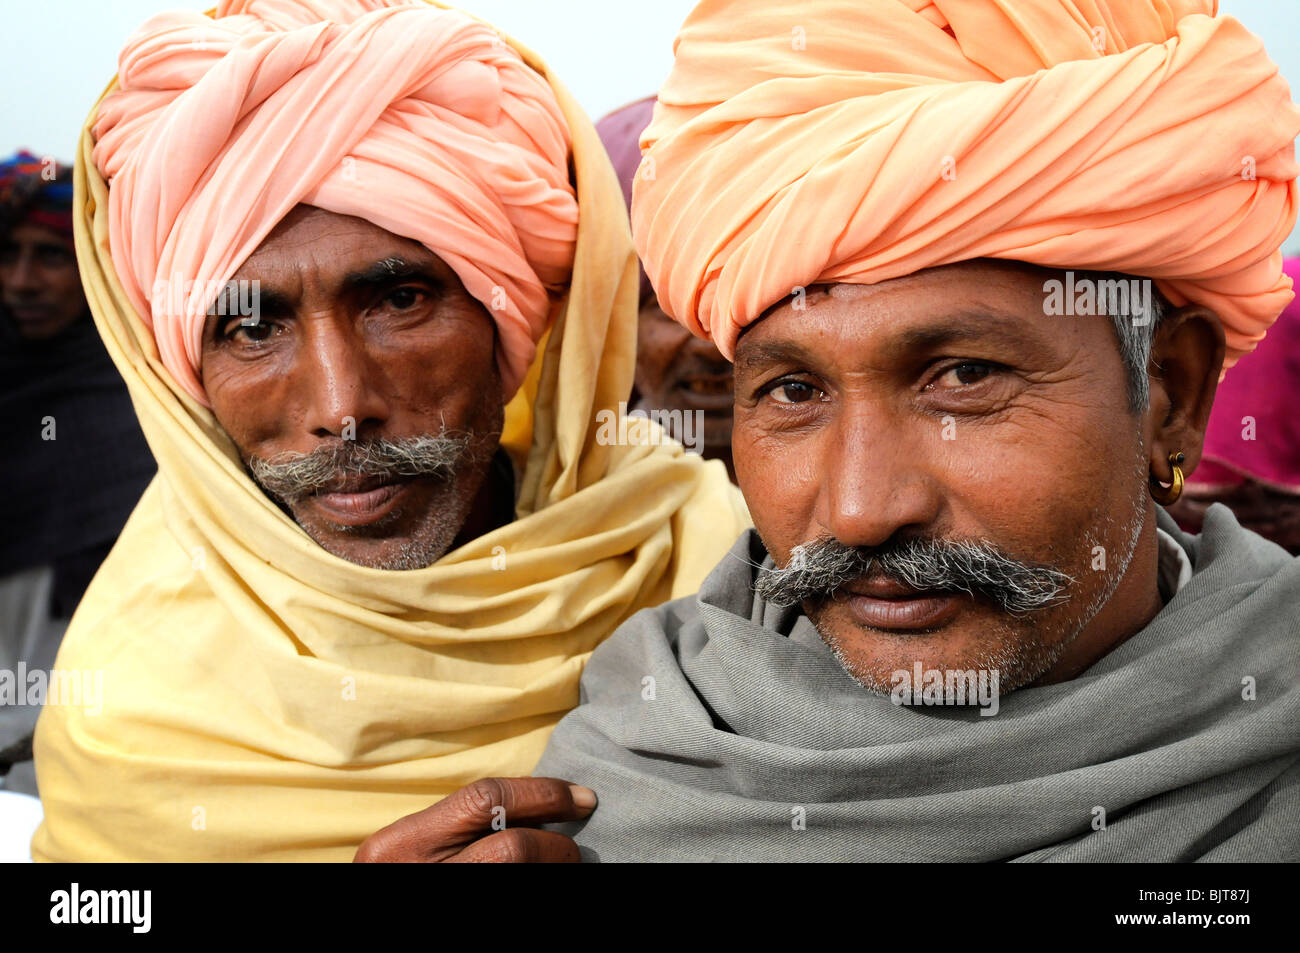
x=419, y=120
x=1265, y=388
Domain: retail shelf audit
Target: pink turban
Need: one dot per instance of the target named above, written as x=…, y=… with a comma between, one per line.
x=419, y=120
x=861, y=140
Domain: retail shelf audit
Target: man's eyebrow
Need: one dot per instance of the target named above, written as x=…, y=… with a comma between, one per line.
x=956, y=327
x=386, y=271
x=269, y=302
x=231, y=301
x=973, y=325
x=776, y=352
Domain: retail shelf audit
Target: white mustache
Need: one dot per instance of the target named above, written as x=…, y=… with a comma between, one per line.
x=820, y=568
x=294, y=476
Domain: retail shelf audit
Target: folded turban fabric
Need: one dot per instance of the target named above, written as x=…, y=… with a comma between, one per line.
x=422, y=122
x=1254, y=431
x=861, y=140
x=264, y=699
x=35, y=190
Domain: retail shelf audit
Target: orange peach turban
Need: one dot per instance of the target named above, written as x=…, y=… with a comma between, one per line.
x=419, y=120
x=861, y=140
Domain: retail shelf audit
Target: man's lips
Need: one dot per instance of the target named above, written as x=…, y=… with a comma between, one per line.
x=360, y=503
x=888, y=604
x=31, y=313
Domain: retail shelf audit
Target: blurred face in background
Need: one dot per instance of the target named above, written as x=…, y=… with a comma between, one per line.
x=39, y=283
x=676, y=371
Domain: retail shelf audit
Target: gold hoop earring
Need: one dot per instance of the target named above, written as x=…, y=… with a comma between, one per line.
x=1164, y=495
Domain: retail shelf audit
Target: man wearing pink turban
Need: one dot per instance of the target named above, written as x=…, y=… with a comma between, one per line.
x=980, y=265
x=366, y=271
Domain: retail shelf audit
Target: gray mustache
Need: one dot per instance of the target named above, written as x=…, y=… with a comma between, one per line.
x=818, y=569
x=295, y=476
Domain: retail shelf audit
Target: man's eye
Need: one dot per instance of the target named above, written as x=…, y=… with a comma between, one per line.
x=793, y=392
x=255, y=331
x=966, y=373
x=404, y=298
x=55, y=257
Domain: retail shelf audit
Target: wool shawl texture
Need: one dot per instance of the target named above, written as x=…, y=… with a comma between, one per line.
x=719, y=728
x=265, y=700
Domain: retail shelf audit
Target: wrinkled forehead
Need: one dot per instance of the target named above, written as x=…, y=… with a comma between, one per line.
x=1007, y=304
x=311, y=241
x=33, y=234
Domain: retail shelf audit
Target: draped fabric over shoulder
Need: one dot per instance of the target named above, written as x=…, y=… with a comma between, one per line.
x=757, y=746
x=263, y=699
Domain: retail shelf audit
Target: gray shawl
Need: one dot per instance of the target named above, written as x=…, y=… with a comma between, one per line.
x=752, y=743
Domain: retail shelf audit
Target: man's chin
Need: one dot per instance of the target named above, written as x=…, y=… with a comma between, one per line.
x=404, y=532
x=400, y=553
x=970, y=637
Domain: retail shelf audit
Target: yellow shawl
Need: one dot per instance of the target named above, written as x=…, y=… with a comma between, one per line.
x=265, y=700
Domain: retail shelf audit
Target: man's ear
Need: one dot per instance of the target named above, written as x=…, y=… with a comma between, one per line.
x=1186, y=360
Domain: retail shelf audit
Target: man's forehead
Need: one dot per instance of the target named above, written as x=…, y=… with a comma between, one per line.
x=27, y=233
x=917, y=311
x=313, y=241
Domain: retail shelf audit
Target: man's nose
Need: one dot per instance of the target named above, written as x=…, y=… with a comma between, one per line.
x=343, y=386
x=25, y=273
x=876, y=481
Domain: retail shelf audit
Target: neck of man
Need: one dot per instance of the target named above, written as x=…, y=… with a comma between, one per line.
x=1135, y=602
x=494, y=505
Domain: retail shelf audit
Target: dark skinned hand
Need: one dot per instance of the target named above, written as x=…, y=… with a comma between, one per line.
x=467, y=827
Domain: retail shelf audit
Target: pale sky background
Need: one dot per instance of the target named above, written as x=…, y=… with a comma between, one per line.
x=56, y=56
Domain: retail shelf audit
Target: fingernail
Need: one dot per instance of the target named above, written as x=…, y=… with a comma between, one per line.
x=584, y=798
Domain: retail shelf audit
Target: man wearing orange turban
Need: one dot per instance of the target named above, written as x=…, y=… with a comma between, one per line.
x=370, y=321
x=980, y=265
x=1151, y=138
